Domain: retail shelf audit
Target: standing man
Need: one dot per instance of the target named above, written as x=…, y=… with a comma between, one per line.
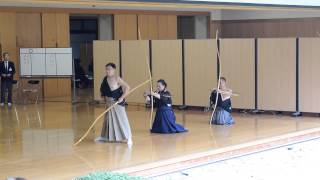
x=7, y=70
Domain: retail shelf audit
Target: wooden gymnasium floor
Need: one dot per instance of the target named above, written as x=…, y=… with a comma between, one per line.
x=36, y=140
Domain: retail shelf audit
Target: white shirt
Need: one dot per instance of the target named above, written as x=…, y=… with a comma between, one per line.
x=6, y=65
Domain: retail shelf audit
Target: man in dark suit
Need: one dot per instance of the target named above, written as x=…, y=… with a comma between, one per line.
x=7, y=70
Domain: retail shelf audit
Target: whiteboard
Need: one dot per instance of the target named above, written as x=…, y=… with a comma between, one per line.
x=46, y=61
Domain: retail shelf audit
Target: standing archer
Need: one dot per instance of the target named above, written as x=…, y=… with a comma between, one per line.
x=116, y=125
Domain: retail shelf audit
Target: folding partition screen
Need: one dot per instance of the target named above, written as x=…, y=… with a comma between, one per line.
x=200, y=71
x=167, y=65
x=238, y=66
x=135, y=55
x=309, y=83
x=277, y=74
x=190, y=67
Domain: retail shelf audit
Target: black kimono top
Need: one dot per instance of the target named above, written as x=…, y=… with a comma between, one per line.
x=164, y=101
x=226, y=104
x=106, y=91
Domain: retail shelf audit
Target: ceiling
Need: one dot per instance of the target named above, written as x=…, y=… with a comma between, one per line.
x=167, y=5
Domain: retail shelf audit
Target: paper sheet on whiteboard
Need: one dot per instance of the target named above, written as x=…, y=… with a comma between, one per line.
x=51, y=65
x=25, y=65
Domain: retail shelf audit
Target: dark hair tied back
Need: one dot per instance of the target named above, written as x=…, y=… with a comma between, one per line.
x=111, y=65
x=163, y=82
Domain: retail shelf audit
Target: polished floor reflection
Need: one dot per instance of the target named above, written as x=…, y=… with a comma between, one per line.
x=36, y=140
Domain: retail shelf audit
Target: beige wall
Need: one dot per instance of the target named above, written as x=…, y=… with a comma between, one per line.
x=200, y=71
x=238, y=67
x=277, y=74
x=309, y=84
x=135, y=56
x=167, y=65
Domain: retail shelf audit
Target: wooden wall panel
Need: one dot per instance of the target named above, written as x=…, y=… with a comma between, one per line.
x=153, y=27
x=125, y=27
x=131, y=27
x=55, y=30
x=277, y=74
x=148, y=25
x=64, y=87
x=143, y=22
x=167, y=26
x=49, y=30
x=28, y=30
x=50, y=86
x=309, y=84
x=167, y=65
x=63, y=30
x=200, y=71
x=28, y=27
x=8, y=35
x=135, y=55
x=214, y=26
x=103, y=53
x=238, y=67
x=57, y=88
x=63, y=40
x=172, y=27
x=163, y=26
x=56, y=33
x=119, y=23
x=270, y=28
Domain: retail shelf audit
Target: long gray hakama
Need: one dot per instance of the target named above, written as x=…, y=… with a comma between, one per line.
x=116, y=125
x=222, y=117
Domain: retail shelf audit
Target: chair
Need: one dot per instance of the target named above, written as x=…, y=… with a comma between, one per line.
x=33, y=87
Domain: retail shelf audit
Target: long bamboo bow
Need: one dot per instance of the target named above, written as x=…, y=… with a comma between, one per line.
x=151, y=85
x=107, y=110
x=219, y=76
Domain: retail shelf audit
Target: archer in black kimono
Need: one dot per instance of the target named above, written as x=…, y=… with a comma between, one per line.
x=165, y=120
x=222, y=115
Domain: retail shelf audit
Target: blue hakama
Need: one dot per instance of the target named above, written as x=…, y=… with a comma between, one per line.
x=165, y=119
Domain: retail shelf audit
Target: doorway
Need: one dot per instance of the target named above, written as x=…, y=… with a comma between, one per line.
x=83, y=31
